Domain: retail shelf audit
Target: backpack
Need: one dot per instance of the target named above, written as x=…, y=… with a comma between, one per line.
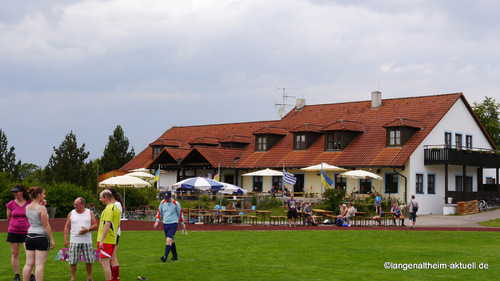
x=338, y=222
x=414, y=207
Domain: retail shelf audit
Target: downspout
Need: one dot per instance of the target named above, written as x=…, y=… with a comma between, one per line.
x=406, y=183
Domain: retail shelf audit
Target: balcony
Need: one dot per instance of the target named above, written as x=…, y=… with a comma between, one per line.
x=475, y=157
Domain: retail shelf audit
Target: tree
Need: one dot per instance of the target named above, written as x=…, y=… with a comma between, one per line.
x=68, y=163
x=115, y=154
x=488, y=112
x=8, y=158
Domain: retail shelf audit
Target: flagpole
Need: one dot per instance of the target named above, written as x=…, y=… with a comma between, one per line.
x=322, y=181
x=283, y=182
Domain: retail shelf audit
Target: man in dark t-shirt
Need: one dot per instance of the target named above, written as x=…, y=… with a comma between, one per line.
x=291, y=207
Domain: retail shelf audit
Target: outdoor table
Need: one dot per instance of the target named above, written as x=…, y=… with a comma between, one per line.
x=359, y=216
x=263, y=215
x=322, y=213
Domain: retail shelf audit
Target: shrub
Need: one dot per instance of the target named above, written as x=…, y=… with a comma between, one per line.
x=269, y=203
x=333, y=197
x=135, y=197
x=62, y=196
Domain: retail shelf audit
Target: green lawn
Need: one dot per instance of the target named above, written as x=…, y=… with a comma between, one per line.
x=290, y=255
x=491, y=223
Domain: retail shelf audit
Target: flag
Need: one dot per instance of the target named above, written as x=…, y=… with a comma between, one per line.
x=157, y=176
x=325, y=180
x=289, y=178
x=217, y=176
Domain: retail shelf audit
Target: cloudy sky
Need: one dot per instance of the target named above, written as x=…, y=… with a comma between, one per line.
x=88, y=66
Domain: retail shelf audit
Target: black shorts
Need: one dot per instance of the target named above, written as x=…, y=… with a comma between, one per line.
x=292, y=214
x=37, y=242
x=16, y=237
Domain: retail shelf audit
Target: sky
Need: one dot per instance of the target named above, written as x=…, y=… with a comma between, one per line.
x=88, y=66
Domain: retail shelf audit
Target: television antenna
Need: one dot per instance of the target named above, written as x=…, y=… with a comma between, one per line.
x=283, y=104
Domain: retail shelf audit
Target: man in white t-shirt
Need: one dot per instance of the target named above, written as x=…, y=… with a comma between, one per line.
x=79, y=223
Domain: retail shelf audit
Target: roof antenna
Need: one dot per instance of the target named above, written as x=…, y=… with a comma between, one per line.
x=283, y=104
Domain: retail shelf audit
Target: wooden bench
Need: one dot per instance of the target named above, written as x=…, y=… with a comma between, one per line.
x=250, y=219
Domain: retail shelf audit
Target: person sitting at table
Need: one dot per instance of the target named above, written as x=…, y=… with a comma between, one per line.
x=396, y=214
x=272, y=191
x=342, y=211
x=308, y=214
x=351, y=212
x=378, y=216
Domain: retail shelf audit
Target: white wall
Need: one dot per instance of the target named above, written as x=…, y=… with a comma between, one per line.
x=457, y=120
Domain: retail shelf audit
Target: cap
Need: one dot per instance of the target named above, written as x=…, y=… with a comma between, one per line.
x=15, y=189
x=167, y=195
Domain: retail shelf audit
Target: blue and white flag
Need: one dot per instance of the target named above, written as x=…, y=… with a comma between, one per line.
x=289, y=178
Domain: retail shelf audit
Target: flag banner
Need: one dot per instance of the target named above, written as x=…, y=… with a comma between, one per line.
x=217, y=176
x=289, y=178
x=157, y=176
x=325, y=180
x=209, y=175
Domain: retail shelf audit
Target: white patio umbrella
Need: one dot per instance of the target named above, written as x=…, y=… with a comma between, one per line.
x=360, y=174
x=141, y=175
x=323, y=167
x=140, y=170
x=124, y=181
x=265, y=172
x=199, y=183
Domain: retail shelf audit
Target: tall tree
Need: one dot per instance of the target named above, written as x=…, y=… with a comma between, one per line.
x=68, y=163
x=8, y=158
x=488, y=112
x=115, y=153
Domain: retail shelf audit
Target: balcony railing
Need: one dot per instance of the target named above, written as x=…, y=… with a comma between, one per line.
x=476, y=157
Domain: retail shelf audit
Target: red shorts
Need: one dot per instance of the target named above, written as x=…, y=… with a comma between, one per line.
x=107, y=250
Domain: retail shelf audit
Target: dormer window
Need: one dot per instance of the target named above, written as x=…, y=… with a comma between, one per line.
x=339, y=134
x=334, y=141
x=260, y=143
x=394, y=137
x=300, y=142
x=400, y=130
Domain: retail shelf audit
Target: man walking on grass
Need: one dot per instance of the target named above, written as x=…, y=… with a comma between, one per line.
x=170, y=213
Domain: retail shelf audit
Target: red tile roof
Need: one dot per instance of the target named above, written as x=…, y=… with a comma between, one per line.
x=367, y=149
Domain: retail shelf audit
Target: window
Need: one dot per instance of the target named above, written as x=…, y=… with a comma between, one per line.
x=257, y=184
x=276, y=181
x=391, y=183
x=447, y=139
x=156, y=151
x=458, y=183
x=333, y=141
x=365, y=185
x=419, y=183
x=340, y=182
x=458, y=140
x=394, y=137
x=300, y=142
x=431, y=184
x=468, y=141
x=261, y=143
x=468, y=184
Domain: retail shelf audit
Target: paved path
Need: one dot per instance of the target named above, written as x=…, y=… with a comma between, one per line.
x=424, y=222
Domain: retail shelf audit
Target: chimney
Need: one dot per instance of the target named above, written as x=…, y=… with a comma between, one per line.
x=301, y=103
x=376, y=100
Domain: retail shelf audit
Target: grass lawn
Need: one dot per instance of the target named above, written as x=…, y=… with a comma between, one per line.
x=491, y=223
x=289, y=255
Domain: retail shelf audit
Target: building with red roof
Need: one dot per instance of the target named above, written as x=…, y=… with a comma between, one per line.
x=433, y=147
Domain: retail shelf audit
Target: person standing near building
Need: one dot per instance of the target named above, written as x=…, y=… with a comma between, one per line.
x=170, y=213
x=39, y=239
x=291, y=208
x=107, y=233
x=378, y=202
x=18, y=225
x=80, y=222
x=412, y=211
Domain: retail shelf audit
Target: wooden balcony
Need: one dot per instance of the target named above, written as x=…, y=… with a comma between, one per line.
x=476, y=157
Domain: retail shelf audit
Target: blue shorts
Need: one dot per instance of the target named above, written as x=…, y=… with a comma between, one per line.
x=170, y=229
x=412, y=216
